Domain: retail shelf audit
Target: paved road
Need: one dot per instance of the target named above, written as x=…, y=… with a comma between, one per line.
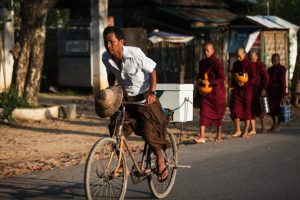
x=264, y=167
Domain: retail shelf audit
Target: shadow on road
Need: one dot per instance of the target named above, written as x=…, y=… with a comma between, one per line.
x=136, y=194
x=103, y=123
x=30, y=188
x=55, y=130
x=24, y=188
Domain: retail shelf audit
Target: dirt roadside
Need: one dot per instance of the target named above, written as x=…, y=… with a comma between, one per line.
x=31, y=146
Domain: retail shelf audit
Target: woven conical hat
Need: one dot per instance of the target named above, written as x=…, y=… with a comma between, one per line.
x=108, y=101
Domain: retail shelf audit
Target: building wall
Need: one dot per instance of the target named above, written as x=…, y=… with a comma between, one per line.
x=50, y=67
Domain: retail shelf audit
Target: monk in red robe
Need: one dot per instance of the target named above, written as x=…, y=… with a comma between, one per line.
x=276, y=90
x=242, y=93
x=212, y=105
x=260, y=90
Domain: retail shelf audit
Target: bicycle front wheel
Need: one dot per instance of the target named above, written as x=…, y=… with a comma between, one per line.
x=100, y=179
x=162, y=189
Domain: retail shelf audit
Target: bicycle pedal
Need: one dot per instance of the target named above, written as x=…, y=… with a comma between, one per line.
x=183, y=166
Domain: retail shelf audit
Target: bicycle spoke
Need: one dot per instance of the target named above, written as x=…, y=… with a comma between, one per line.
x=94, y=177
x=95, y=194
x=98, y=183
x=117, y=179
x=161, y=189
x=102, y=164
x=112, y=191
x=116, y=190
x=104, y=193
x=117, y=186
x=101, y=188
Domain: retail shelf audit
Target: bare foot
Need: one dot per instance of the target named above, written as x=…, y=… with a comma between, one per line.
x=252, y=133
x=246, y=136
x=162, y=172
x=237, y=134
x=200, y=140
x=218, y=140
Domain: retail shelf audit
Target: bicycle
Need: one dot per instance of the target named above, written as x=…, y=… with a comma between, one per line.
x=106, y=171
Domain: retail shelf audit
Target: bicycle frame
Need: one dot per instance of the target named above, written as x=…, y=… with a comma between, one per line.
x=123, y=145
x=110, y=175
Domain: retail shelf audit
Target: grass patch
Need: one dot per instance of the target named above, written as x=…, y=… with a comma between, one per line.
x=9, y=100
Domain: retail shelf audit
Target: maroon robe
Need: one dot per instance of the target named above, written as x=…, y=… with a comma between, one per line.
x=261, y=83
x=242, y=95
x=277, y=88
x=212, y=105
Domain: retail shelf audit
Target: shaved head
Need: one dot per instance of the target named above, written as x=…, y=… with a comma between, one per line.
x=275, y=59
x=209, y=49
x=240, y=54
x=254, y=56
x=209, y=45
x=240, y=50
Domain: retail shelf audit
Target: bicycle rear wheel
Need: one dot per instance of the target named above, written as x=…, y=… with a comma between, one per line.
x=99, y=177
x=162, y=189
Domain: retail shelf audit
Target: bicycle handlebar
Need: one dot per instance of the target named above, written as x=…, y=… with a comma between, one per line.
x=134, y=103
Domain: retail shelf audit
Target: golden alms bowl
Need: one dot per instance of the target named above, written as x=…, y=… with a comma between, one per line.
x=241, y=77
x=205, y=87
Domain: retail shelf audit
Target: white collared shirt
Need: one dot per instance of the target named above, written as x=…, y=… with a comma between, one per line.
x=134, y=74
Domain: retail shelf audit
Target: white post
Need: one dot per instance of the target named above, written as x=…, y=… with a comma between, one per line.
x=293, y=51
x=97, y=25
x=7, y=63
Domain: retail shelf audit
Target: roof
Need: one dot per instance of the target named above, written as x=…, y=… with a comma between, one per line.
x=192, y=3
x=204, y=15
x=272, y=22
x=159, y=36
x=242, y=1
x=189, y=3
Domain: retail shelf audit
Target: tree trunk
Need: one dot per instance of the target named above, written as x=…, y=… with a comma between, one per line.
x=29, y=50
x=36, y=63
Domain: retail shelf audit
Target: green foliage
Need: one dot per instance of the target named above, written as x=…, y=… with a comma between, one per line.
x=58, y=18
x=14, y=5
x=10, y=100
x=286, y=9
x=11, y=5
x=4, y=3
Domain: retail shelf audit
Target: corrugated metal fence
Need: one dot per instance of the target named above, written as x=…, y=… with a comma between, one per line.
x=176, y=62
